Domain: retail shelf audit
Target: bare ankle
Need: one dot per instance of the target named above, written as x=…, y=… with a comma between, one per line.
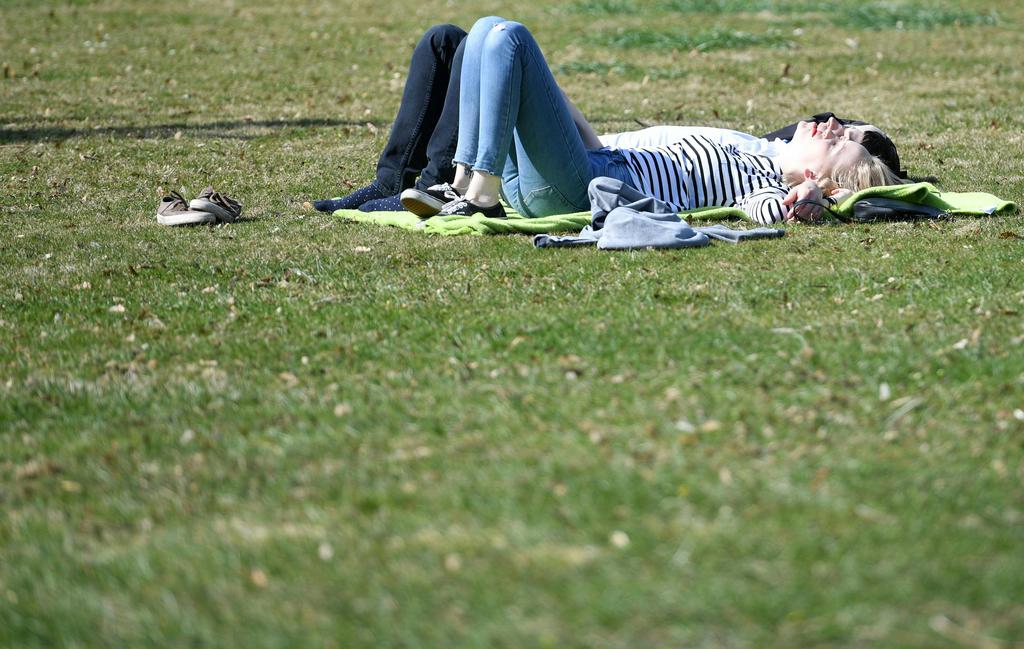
x=462, y=177
x=484, y=189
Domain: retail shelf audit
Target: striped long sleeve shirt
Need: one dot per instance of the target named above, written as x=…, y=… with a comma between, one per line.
x=695, y=171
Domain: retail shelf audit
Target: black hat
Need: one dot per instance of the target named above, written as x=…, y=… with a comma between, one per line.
x=879, y=145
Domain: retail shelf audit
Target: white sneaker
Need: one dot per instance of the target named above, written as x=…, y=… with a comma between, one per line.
x=173, y=210
x=223, y=208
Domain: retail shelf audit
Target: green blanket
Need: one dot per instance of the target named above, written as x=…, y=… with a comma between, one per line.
x=975, y=203
x=515, y=223
x=965, y=203
x=477, y=224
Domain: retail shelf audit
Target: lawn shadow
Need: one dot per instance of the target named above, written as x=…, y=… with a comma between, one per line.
x=242, y=129
x=236, y=129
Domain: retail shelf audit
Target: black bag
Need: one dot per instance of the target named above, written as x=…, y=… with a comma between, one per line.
x=876, y=208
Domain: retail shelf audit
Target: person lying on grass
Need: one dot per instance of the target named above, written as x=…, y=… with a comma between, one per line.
x=424, y=134
x=518, y=139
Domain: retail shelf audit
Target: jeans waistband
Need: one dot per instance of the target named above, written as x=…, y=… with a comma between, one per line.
x=610, y=163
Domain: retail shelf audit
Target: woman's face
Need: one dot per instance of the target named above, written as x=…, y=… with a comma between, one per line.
x=822, y=148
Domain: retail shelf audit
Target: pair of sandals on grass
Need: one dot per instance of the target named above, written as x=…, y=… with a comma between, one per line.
x=210, y=206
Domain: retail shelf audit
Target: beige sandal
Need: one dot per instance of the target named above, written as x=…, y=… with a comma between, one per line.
x=225, y=209
x=173, y=210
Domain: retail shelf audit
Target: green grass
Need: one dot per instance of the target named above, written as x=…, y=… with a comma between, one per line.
x=295, y=431
x=618, y=68
x=705, y=41
x=869, y=15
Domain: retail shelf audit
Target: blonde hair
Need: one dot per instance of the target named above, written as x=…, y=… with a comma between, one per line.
x=868, y=172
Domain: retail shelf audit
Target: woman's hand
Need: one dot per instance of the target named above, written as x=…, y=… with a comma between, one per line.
x=840, y=194
x=808, y=190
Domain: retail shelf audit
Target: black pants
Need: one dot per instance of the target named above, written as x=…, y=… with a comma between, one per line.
x=426, y=129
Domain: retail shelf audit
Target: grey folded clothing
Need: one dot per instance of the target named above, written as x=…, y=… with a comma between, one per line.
x=626, y=219
x=606, y=194
x=628, y=229
x=724, y=233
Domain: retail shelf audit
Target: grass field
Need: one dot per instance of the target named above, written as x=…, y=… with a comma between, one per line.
x=295, y=431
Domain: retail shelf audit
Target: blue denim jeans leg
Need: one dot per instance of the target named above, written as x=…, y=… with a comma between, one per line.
x=514, y=122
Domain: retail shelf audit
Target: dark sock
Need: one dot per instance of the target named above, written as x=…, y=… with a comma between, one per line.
x=351, y=201
x=389, y=204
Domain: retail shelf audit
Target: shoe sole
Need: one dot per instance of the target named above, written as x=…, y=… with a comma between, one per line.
x=420, y=203
x=219, y=212
x=185, y=218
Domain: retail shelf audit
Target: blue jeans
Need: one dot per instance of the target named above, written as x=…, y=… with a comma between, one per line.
x=514, y=122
